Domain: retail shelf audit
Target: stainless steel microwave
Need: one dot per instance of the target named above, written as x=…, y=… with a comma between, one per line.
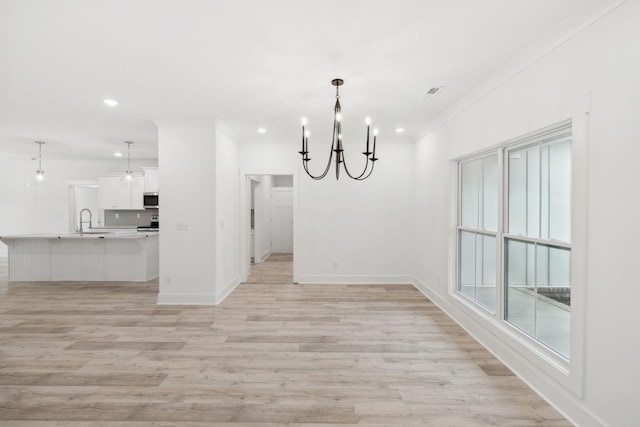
x=150, y=200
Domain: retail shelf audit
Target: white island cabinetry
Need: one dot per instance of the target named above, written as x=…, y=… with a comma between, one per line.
x=124, y=256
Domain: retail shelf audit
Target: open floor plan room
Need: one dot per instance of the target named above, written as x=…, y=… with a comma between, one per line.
x=407, y=212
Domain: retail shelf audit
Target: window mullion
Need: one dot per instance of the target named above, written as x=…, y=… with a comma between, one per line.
x=535, y=290
x=500, y=229
x=540, y=190
x=547, y=242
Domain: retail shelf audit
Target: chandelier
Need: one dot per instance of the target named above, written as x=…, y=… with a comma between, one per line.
x=336, y=145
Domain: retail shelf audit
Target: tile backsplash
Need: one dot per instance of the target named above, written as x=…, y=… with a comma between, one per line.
x=128, y=218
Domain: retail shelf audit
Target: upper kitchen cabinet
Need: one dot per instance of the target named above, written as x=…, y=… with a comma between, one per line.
x=137, y=190
x=114, y=192
x=151, y=181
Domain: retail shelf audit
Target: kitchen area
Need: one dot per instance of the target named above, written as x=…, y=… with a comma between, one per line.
x=112, y=233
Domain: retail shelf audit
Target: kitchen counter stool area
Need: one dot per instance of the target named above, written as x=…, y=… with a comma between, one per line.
x=108, y=257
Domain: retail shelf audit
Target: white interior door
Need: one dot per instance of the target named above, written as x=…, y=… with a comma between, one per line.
x=282, y=219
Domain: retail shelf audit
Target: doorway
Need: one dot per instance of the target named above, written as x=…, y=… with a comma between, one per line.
x=269, y=206
x=83, y=195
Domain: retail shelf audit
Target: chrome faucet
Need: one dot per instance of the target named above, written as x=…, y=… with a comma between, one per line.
x=90, y=215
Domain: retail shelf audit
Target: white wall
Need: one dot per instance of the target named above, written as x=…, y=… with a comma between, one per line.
x=263, y=212
x=26, y=209
x=346, y=231
x=200, y=237
x=187, y=168
x=227, y=214
x=604, y=61
x=85, y=198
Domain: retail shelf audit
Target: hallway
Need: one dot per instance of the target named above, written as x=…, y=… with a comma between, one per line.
x=278, y=268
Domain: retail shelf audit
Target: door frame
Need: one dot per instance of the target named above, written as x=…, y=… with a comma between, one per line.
x=245, y=219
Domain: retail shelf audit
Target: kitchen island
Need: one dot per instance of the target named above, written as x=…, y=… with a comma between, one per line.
x=95, y=255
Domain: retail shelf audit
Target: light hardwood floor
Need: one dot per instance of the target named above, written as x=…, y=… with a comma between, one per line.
x=273, y=353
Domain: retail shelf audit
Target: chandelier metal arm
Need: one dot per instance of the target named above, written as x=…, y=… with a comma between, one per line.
x=364, y=171
x=305, y=160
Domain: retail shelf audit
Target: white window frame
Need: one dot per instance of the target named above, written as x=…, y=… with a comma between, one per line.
x=523, y=346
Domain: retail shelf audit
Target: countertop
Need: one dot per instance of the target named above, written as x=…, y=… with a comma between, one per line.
x=92, y=233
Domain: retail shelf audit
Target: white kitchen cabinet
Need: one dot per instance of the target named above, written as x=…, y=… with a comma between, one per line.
x=151, y=180
x=114, y=192
x=137, y=190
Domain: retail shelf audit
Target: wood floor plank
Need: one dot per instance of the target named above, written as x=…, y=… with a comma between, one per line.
x=272, y=354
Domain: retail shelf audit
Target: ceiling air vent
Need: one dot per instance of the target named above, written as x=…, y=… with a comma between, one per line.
x=431, y=93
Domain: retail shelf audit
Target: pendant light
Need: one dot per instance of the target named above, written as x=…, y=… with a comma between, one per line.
x=128, y=174
x=39, y=179
x=40, y=173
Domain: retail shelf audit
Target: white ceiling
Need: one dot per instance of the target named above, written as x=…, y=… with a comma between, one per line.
x=248, y=63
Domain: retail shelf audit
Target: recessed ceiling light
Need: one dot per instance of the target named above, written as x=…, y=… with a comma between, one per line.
x=110, y=102
x=262, y=130
x=117, y=154
x=399, y=130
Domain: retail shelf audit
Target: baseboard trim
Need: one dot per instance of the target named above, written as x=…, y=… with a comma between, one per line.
x=199, y=299
x=355, y=279
x=264, y=256
x=189, y=299
x=226, y=291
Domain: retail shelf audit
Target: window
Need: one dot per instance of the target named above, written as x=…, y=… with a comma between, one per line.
x=477, y=233
x=515, y=261
x=538, y=240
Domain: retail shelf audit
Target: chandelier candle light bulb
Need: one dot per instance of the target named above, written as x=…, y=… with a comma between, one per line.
x=336, y=144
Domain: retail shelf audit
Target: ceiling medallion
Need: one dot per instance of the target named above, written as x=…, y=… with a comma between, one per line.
x=336, y=145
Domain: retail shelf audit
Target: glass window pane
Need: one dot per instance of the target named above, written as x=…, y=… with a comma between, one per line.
x=486, y=278
x=524, y=194
x=470, y=193
x=553, y=312
x=479, y=193
x=490, y=193
x=477, y=268
x=518, y=192
x=519, y=286
x=466, y=264
x=556, y=189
